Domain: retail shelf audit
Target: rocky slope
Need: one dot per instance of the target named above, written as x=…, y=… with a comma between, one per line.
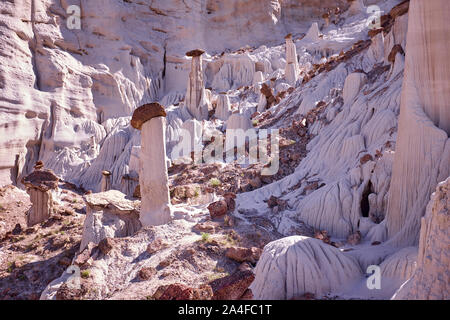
x=349, y=156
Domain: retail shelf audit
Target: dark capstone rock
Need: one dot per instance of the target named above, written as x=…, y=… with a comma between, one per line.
x=145, y=113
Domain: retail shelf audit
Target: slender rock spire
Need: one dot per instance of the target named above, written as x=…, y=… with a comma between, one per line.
x=197, y=101
x=153, y=178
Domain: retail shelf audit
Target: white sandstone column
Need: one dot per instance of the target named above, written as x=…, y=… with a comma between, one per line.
x=197, y=101
x=106, y=181
x=422, y=155
x=292, y=69
x=223, y=109
x=153, y=178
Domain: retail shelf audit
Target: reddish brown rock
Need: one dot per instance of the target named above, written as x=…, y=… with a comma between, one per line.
x=254, y=115
x=229, y=199
x=354, y=238
x=272, y=202
x=146, y=273
x=396, y=49
x=145, y=113
x=195, y=53
x=156, y=246
x=218, y=208
x=232, y=287
x=248, y=295
x=366, y=158
x=137, y=192
x=42, y=180
x=306, y=296
x=399, y=9
x=323, y=236
x=106, y=245
x=241, y=254
x=208, y=226
x=178, y=291
x=66, y=293
x=38, y=165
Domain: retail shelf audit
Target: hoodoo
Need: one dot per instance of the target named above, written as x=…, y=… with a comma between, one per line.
x=292, y=69
x=39, y=185
x=153, y=178
x=106, y=181
x=196, y=99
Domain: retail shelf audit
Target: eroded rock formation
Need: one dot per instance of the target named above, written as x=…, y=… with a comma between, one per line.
x=291, y=71
x=431, y=279
x=39, y=185
x=422, y=156
x=109, y=215
x=293, y=266
x=197, y=101
x=153, y=178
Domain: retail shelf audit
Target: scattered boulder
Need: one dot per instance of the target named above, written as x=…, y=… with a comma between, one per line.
x=178, y=291
x=229, y=199
x=156, y=246
x=323, y=236
x=106, y=245
x=208, y=226
x=232, y=287
x=146, y=273
x=354, y=238
x=365, y=158
x=218, y=209
x=241, y=254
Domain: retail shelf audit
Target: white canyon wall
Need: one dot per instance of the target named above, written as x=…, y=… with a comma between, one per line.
x=422, y=156
x=62, y=91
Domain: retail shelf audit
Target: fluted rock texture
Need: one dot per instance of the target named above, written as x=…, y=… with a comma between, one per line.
x=431, y=279
x=197, y=101
x=293, y=266
x=153, y=177
x=422, y=156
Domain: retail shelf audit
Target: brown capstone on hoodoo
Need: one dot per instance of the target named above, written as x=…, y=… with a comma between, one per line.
x=195, y=53
x=145, y=113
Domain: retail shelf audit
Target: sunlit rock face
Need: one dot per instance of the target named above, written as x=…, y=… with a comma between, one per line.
x=422, y=156
x=63, y=90
x=431, y=278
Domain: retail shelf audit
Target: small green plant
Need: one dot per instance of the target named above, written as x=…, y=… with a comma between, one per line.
x=290, y=142
x=197, y=192
x=2, y=208
x=205, y=236
x=255, y=123
x=85, y=274
x=214, y=182
x=11, y=267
